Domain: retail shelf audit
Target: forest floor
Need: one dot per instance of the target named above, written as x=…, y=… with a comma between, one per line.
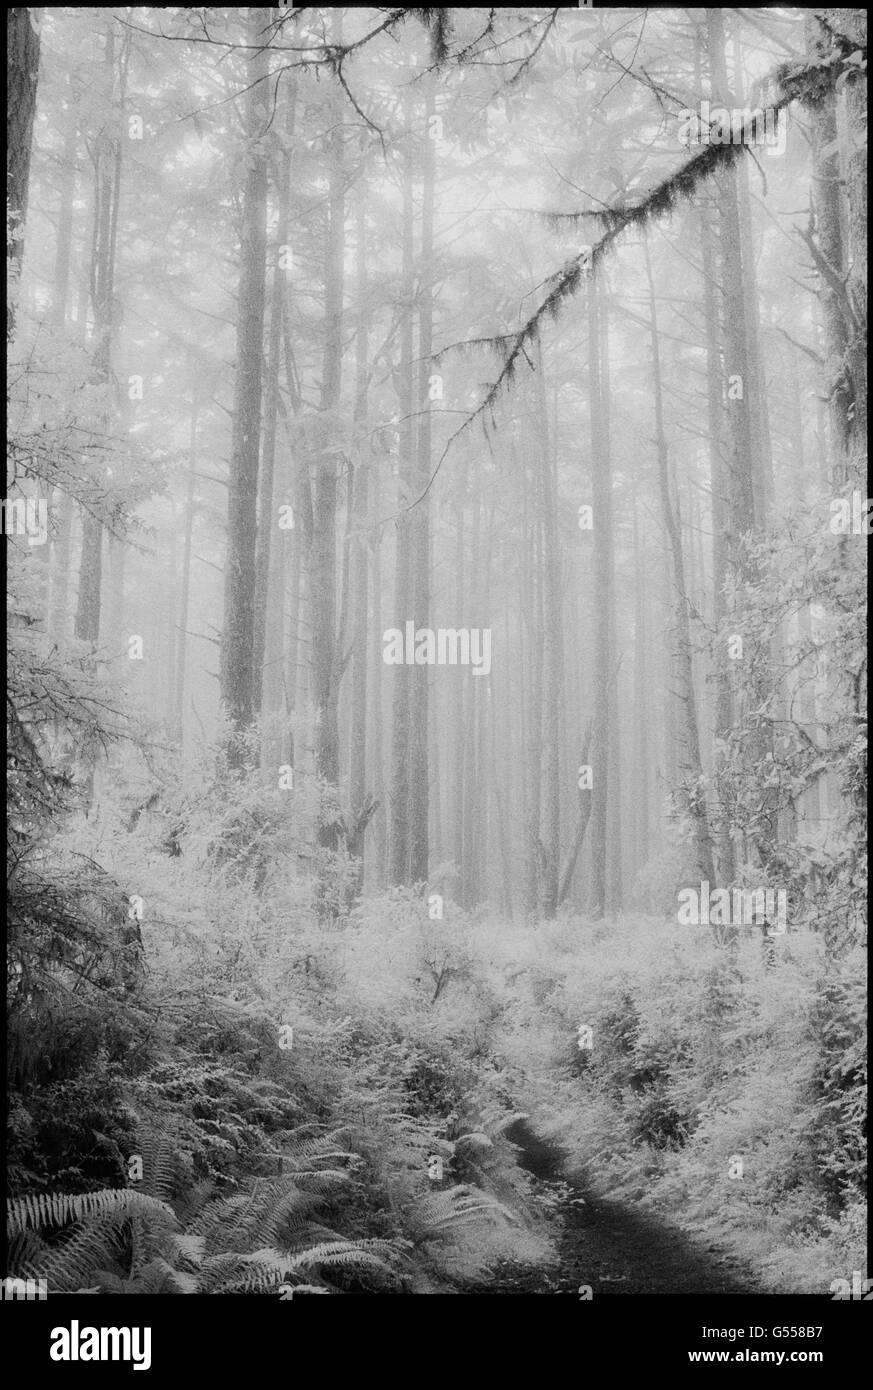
x=607, y=1245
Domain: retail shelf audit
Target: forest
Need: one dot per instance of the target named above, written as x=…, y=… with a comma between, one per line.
x=436, y=651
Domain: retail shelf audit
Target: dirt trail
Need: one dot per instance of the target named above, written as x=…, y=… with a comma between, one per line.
x=610, y=1246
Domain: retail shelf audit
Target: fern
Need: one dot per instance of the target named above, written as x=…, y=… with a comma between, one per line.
x=160, y=1163
x=125, y=1241
x=37, y=1211
x=442, y=1212
x=262, y=1271
x=69, y=1266
x=369, y=1253
x=159, y=1276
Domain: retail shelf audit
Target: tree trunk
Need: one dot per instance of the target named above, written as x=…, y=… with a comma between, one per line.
x=360, y=546
x=269, y=496
x=64, y=243
x=691, y=768
x=614, y=865
x=584, y=793
x=22, y=75
x=107, y=189
x=723, y=701
x=375, y=740
x=400, y=732
x=552, y=651
x=740, y=485
x=60, y=547
x=237, y=673
x=323, y=568
x=178, y=721
x=601, y=495
x=419, y=789
x=533, y=550
x=641, y=718
x=457, y=724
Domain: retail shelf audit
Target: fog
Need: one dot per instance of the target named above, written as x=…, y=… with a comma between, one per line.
x=436, y=513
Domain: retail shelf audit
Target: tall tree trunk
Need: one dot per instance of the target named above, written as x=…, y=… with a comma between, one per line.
x=553, y=650
x=740, y=484
x=22, y=74
x=107, y=189
x=829, y=239
x=471, y=860
x=691, y=767
x=457, y=688
x=402, y=695
x=419, y=789
x=756, y=387
x=375, y=740
x=178, y=720
x=237, y=673
x=614, y=862
x=292, y=662
x=269, y=495
x=323, y=568
x=641, y=718
x=535, y=645
x=499, y=709
x=297, y=663
x=360, y=548
x=60, y=547
x=854, y=24
x=64, y=242
x=601, y=495
x=723, y=700
x=584, y=815
x=739, y=392
x=107, y=159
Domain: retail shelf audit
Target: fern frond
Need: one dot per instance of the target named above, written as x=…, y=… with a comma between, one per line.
x=268, y=1268
x=161, y=1277
x=23, y=1254
x=325, y=1146
x=318, y=1178
x=45, y=1209
x=458, y=1206
x=297, y=1165
x=160, y=1164
x=248, y=1220
x=229, y=1221
x=113, y=1283
x=285, y=1216
x=217, y=1270
x=193, y=1202
x=190, y=1248
x=68, y=1266
x=371, y=1253
x=263, y=1271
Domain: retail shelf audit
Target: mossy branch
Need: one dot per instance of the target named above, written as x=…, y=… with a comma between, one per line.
x=797, y=81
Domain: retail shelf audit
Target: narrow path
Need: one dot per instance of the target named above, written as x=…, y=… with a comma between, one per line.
x=614, y=1248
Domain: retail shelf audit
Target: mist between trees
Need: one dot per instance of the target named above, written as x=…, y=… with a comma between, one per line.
x=436, y=513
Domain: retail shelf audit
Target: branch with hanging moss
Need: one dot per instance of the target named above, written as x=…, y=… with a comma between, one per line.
x=797, y=81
